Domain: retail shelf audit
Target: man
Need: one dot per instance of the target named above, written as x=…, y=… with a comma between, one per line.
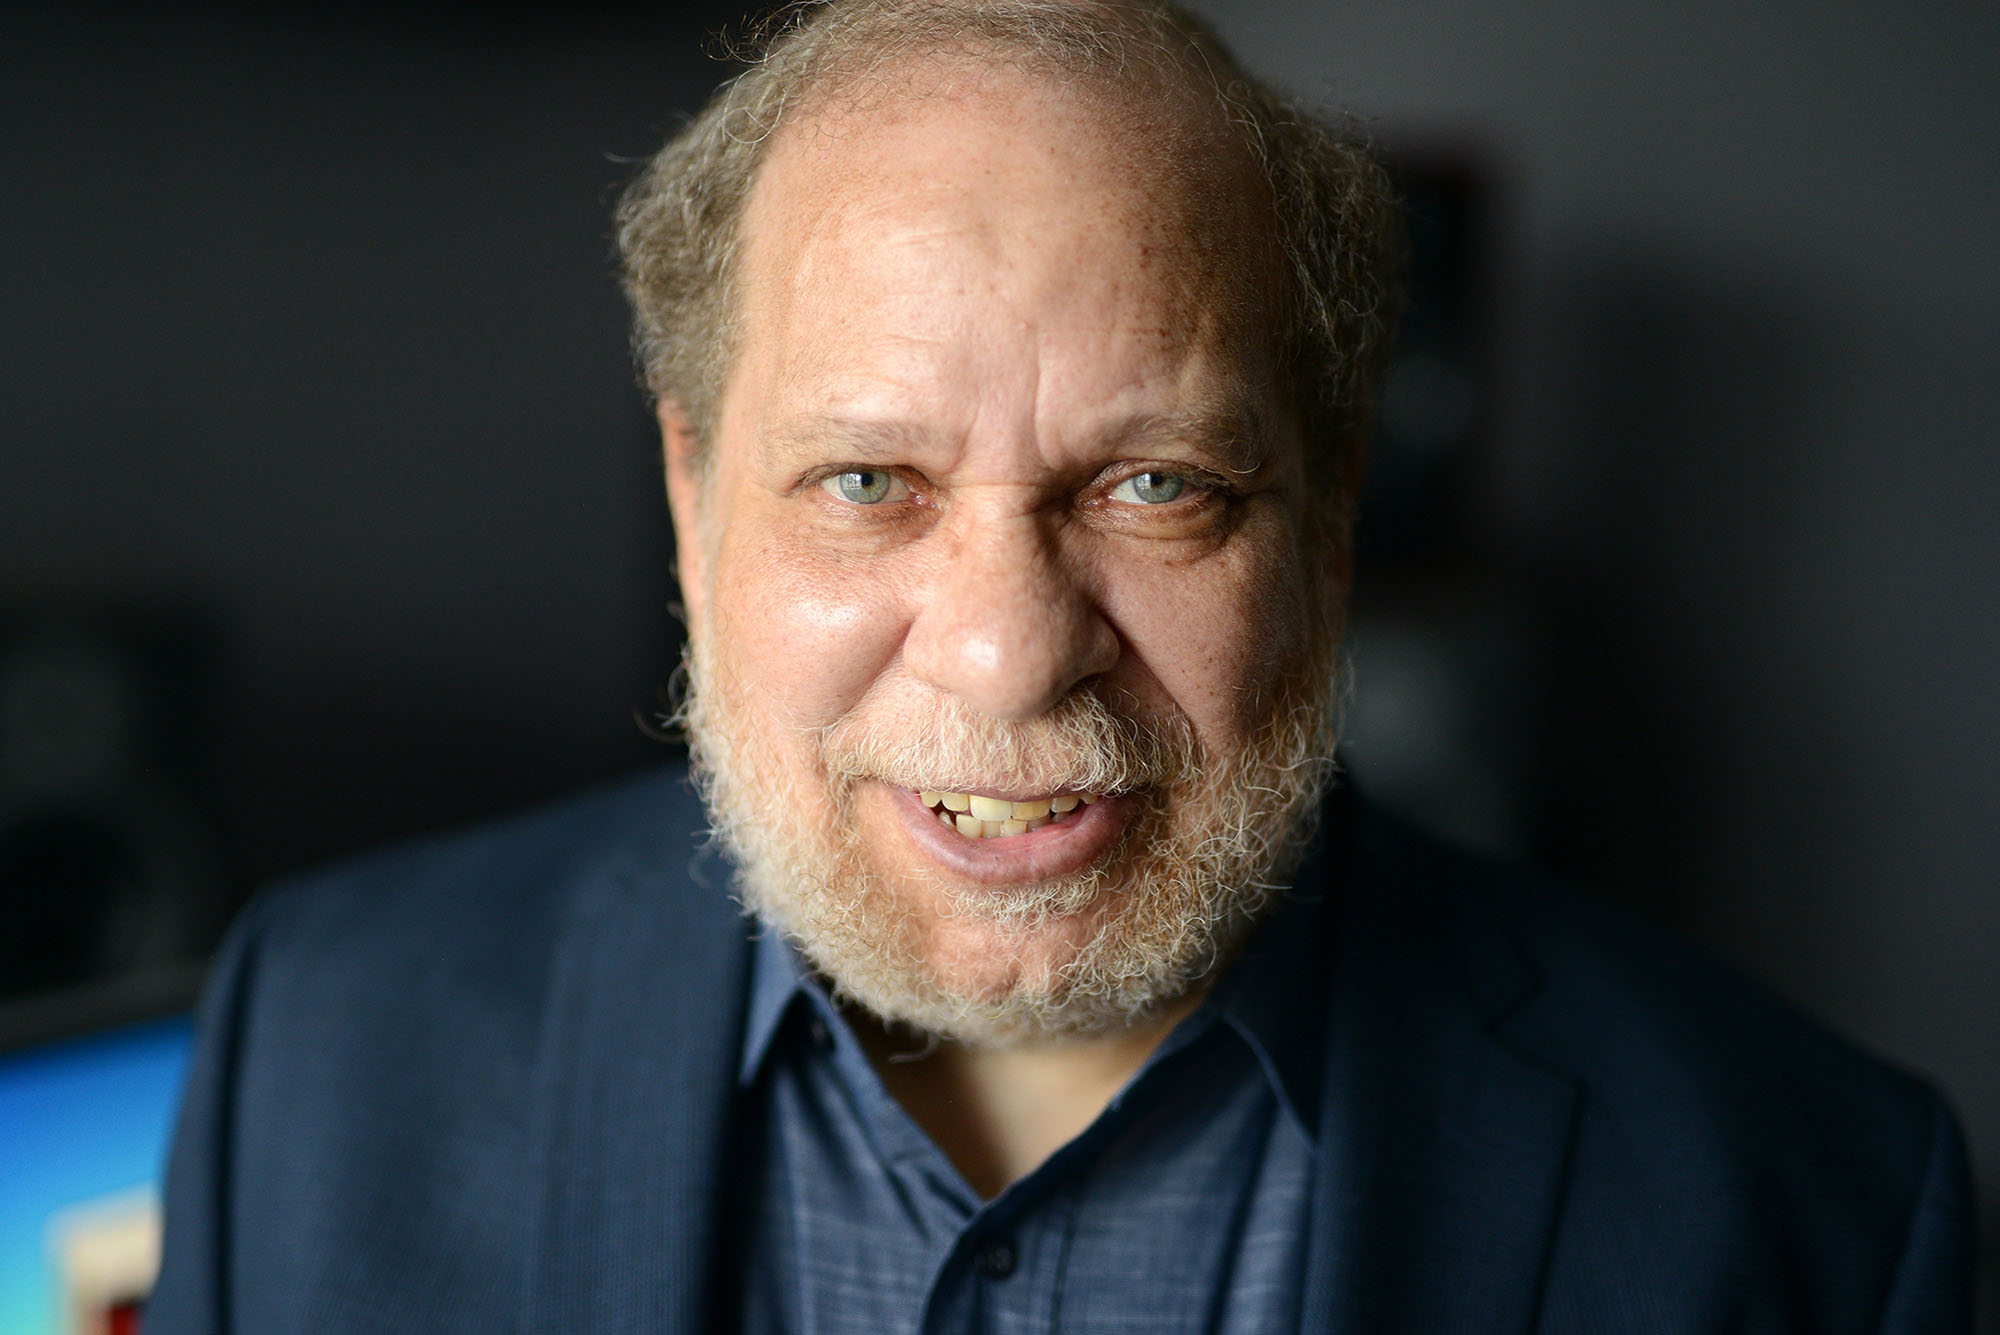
x=1012, y=360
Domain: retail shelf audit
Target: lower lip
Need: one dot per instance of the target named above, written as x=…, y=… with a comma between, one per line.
x=1062, y=848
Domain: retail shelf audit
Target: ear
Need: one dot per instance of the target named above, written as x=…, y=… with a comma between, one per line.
x=687, y=500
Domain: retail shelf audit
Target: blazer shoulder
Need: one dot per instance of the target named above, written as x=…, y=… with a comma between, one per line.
x=1650, y=1012
x=376, y=1056
x=1672, y=1045
x=1722, y=1139
x=494, y=890
x=423, y=958
x=1624, y=1003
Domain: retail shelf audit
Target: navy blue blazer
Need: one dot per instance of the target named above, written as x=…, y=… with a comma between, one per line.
x=488, y=1085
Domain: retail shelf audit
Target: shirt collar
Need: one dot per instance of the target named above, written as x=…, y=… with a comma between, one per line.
x=777, y=978
x=1275, y=996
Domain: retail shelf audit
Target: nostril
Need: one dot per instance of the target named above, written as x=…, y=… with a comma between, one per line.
x=1014, y=644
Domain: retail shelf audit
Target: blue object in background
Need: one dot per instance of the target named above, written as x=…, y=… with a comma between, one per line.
x=80, y=1120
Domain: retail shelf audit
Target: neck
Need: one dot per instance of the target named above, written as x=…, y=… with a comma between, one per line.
x=998, y=1113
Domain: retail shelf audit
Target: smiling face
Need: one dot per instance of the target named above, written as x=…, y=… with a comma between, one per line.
x=1007, y=680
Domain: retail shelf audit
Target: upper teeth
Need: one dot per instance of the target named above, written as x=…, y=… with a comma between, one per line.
x=982, y=817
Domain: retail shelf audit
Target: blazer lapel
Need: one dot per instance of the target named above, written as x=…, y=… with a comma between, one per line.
x=638, y=1074
x=1442, y=1147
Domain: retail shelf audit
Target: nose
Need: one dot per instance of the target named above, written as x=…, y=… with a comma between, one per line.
x=1007, y=625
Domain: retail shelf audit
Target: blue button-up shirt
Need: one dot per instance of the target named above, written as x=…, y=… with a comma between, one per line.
x=1182, y=1208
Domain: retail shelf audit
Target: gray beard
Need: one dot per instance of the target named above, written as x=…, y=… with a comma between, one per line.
x=1212, y=840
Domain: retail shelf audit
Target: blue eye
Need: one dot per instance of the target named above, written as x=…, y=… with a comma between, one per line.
x=863, y=486
x=1150, y=488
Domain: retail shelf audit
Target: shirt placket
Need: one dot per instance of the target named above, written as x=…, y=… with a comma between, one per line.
x=1004, y=1273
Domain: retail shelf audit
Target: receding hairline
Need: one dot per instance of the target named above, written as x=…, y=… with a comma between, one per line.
x=1171, y=138
x=1194, y=195
x=923, y=62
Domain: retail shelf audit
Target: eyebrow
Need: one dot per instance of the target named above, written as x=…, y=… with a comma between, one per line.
x=1228, y=430
x=1231, y=431
x=858, y=440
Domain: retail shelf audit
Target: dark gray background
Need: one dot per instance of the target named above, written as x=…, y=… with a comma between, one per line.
x=328, y=512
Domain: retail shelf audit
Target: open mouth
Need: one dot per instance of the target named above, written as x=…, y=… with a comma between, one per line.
x=978, y=817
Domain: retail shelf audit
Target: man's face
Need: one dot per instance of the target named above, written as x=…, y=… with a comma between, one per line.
x=1003, y=508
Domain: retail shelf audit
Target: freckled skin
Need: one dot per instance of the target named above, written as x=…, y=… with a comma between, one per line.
x=1005, y=280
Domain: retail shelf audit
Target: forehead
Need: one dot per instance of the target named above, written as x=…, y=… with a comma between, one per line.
x=958, y=121
x=960, y=204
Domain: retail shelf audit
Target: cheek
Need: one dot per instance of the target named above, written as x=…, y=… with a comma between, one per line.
x=803, y=638
x=1217, y=635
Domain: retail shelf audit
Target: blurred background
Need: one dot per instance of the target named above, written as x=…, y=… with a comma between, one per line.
x=329, y=513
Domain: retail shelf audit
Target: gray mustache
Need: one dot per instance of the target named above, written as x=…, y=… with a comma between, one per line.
x=1081, y=745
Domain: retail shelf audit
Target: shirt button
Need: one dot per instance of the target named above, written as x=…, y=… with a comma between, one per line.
x=997, y=1259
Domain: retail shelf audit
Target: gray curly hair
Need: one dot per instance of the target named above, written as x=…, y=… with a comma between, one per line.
x=1336, y=220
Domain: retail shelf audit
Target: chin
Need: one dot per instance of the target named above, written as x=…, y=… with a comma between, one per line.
x=988, y=968
x=977, y=964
